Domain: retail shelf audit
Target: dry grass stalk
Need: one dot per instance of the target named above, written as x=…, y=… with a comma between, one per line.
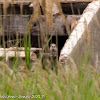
x=5, y=6
x=21, y=8
x=86, y=34
x=57, y=2
x=35, y=15
x=48, y=14
x=73, y=24
x=6, y=68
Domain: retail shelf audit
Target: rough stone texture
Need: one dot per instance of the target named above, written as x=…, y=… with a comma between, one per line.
x=84, y=40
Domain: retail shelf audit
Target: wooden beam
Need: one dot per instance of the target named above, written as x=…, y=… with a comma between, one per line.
x=19, y=49
x=16, y=1
x=35, y=30
x=75, y=1
x=14, y=51
x=30, y=1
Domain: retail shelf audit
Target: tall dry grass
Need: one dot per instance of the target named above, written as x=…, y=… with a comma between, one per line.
x=67, y=85
x=83, y=83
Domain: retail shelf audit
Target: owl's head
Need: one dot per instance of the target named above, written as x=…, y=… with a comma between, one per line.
x=53, y=47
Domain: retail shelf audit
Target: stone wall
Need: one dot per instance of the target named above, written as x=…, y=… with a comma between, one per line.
x=84, y=41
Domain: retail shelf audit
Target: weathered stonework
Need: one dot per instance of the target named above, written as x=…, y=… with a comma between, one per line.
x=84, y=40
